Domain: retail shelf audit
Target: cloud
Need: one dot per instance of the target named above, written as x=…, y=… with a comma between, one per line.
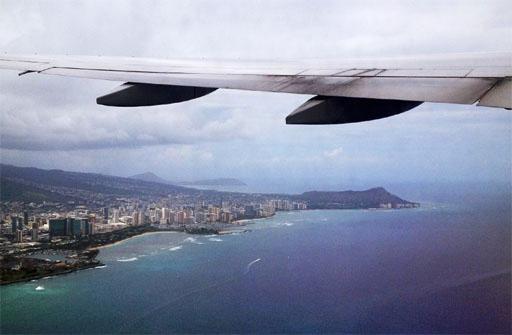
x=54, y=122
x=28, y=124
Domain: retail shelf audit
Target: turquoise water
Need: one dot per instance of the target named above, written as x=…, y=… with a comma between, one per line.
x=442, y=268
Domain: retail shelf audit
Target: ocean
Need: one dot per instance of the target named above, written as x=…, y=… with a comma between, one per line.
x=441, y=268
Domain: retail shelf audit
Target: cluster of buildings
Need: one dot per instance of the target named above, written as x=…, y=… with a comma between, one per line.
x=40, y=225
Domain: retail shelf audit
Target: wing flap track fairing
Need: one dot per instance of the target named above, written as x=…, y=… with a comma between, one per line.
x=136, y=95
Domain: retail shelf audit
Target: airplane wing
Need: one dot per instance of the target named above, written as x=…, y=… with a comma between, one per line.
x=345, y=91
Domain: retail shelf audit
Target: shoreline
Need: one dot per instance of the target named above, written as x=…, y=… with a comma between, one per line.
x=108, y=245
x=236, y=228
x=58, y=273
x=244, y=221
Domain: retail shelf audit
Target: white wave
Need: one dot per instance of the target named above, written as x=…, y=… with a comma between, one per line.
x=248, y=267
x=175, y=248
x=192, y=240
x=100, y=267
x=40, y=288
x=215, y=239
x=33, y=280
x=49, y=277
x=288, y=224
x=127, y=259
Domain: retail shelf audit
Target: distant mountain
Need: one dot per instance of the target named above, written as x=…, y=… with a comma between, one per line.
x=150, y=177
x=11, y=190
x=216, y=182
x=371, y=198
x=36, y=185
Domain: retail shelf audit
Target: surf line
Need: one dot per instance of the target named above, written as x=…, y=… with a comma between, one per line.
x=127, y=259
x=248, y=267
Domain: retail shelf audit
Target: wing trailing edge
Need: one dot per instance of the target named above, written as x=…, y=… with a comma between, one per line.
x=350, y=90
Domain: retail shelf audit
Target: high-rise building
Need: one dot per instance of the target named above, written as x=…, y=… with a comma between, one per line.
x=79, y=226
x=105, y=215
x=19, y=236
x=25, y=218
x=115, y=216
x=14, y=224
x=165, y=215
x=250, y=212
x=180, y=217
x=172, y=217
x=70, y=227
x=35, y=231
x=188, y=211
x=226, y=217
x=58, y=227
x=200, y=216
x=158, y=214
x=135, y=216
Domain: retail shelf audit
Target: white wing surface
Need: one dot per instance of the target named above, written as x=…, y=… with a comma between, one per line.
x=349, y=90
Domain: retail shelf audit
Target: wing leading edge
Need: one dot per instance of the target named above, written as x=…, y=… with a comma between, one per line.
x=394, y=84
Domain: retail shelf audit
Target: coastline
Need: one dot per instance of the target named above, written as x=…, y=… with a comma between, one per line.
x=108, y=245
x=236, y=227
x=98, y=247
x=41, y=276
x=245, y=221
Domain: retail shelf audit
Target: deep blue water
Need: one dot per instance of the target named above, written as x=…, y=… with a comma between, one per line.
x=442, y=268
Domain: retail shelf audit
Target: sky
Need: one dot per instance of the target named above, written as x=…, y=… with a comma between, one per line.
x=54, y=122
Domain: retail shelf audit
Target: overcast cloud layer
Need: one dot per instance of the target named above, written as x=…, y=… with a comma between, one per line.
x=53, y=122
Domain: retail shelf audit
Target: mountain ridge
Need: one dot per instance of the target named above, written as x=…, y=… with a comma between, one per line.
x=151, y=177
x=29, y=184
x=375, y=197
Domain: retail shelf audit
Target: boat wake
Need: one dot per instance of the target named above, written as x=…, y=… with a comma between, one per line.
x=40, y=288
x=248, y=267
